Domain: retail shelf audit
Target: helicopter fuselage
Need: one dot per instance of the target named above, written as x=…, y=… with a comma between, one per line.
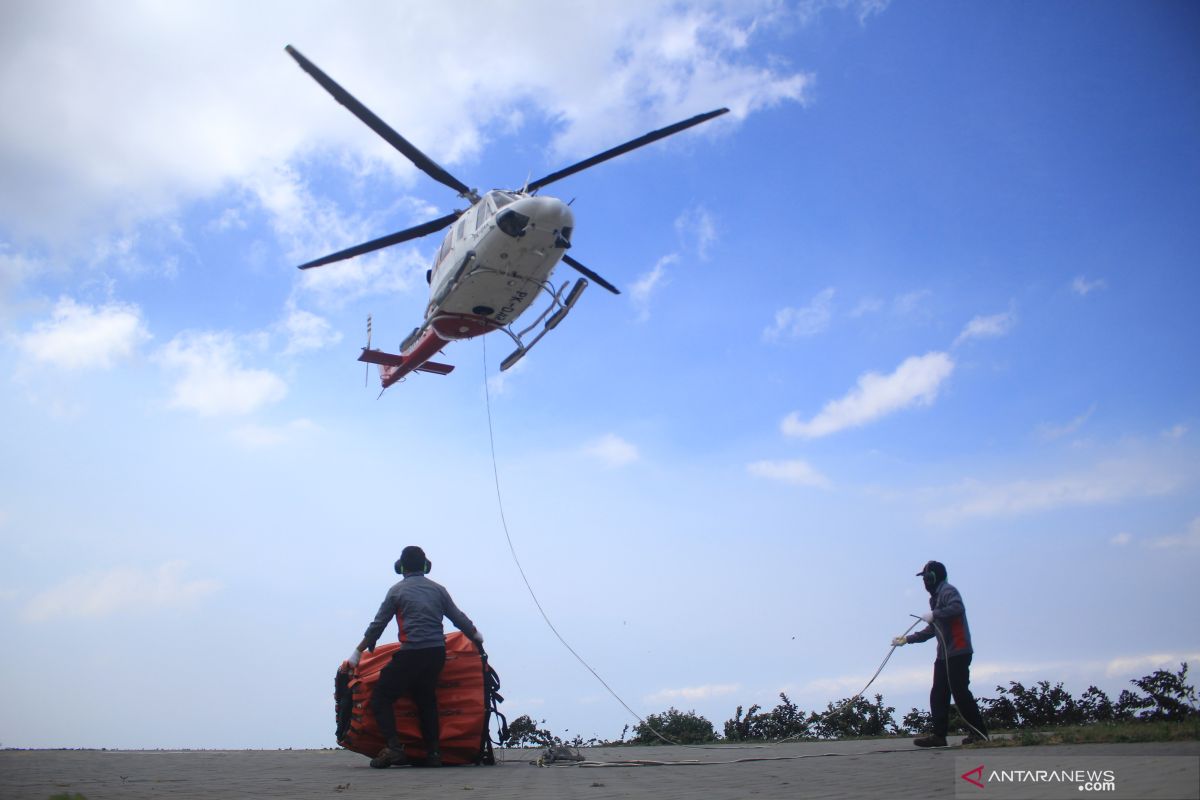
x=492, y=264
x=496, y=258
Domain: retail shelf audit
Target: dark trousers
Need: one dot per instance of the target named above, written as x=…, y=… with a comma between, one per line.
x=414, y=673
x=957, y=683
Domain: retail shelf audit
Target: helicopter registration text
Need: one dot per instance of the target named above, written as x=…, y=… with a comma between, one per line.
x=513, y=303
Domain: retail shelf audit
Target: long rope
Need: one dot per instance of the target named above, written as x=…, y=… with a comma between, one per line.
x=946, y=661
x=645, y=762
x=529, y=587
x=863, y=690
x=516, y=560
x=882, y=664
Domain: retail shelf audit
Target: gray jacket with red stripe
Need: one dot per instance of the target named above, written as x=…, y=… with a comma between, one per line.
x=950, y=617
x=418, y=605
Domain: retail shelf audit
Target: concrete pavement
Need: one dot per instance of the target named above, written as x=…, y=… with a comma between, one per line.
x=890, y=768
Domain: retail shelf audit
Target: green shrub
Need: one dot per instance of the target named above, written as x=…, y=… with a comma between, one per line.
x=676, y=726
x=524, y=732
x=785, y=721
x=858, y=717
x=1171, y=698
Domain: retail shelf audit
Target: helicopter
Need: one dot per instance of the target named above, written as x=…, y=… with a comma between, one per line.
x=495, y=260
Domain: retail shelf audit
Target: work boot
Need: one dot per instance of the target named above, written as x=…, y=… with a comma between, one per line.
x=389, y=757
x=974, y=738
x=932, y=740
x=433, y=759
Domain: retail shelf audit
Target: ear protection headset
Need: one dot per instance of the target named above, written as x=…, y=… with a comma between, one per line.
x=426, y=567
x=933, y=573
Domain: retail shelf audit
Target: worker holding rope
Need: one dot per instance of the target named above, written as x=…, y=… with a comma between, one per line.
x=947, y=620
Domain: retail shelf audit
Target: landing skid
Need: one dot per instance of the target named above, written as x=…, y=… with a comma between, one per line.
x=559, y=306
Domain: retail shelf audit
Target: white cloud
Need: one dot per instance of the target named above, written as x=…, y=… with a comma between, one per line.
x=644, y=288
x=911, y=303
x=987, y=327
x=15, y=269
x=1108, y=482
x=1147, y=663
x=697, y=229
x=229, y=219
x=254, y=437
x=79, y=336
x=678, y=62
x=1049, y=432
x=85, y=142
x=915, y=382
x=795, y=472
x=838, y=686
x=862, y=9
x=307, y=331
x=1189, y=539
x=868, y=305
x=499, y=383
x=1121, y=539
x=1083, y=287
x=792, y=323
x=214, y=382
x=310, y=227
x=612, y=450
x=692, y=694
x=1176, y=432
x=117, y=591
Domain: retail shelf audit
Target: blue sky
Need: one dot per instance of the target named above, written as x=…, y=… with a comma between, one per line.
x=927, y=292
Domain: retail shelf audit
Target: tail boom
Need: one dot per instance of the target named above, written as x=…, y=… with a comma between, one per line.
x=393, y=367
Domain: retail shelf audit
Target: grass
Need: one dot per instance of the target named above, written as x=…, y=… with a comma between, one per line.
x=1105, y=733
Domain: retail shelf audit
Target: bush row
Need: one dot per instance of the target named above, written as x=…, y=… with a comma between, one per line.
x=1163, y=695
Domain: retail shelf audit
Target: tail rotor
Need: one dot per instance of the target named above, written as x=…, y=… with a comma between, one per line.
x=367, y=367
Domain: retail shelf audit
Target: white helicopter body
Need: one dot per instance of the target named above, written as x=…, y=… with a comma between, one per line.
x=495, y=259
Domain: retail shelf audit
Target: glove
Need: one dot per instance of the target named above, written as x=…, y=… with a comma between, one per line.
x=899, y=641
x=477, y=637
x=354, y=657
x=927, y=617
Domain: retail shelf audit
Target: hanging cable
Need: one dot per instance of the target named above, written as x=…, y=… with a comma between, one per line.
x=882, y=664
x=533, y=595
x=516, y=560
x=949, y=685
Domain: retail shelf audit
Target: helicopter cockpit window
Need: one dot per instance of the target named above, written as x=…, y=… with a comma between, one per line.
x=462, y=227
x=501, y=199
x=481, y=215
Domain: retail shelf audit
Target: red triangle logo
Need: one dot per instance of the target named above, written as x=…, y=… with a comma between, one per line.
x=978, y=779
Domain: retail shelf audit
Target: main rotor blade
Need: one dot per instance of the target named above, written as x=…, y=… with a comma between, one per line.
x=633, y=144
x=433, y=226
x=588, y=273
x=423, y=162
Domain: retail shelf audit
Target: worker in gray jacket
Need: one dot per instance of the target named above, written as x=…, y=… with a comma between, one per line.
x=418, y=605
x=947, y=620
